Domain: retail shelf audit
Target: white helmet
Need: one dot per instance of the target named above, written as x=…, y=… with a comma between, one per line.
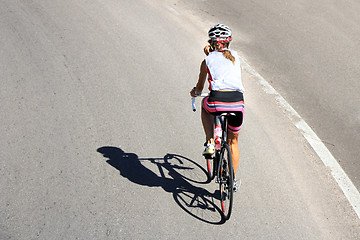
x=219, y=32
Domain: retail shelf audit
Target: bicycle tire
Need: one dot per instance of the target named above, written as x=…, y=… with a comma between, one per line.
x=211, y=166
x=226, y=181
x=210, y=169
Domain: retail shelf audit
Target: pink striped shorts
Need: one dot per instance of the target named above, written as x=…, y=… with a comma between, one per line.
x=226, y=101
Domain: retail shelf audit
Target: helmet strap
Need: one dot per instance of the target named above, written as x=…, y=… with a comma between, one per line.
x=220, y=42
x=221, y=47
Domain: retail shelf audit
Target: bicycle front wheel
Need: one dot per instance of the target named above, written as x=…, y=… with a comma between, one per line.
x=210, y=168
x=226, y=181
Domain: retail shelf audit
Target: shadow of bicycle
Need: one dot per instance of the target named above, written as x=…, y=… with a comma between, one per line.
x=177, y=175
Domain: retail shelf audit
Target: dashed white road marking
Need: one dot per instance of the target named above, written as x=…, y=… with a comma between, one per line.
x=344, y=182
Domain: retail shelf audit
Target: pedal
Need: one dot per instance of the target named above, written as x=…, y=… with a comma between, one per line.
x=209, y=155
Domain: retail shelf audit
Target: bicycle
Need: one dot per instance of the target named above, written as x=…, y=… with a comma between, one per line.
x=219, y=165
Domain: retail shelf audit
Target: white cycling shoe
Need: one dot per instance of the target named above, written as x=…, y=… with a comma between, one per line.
x=210, y=148
x=237, y=184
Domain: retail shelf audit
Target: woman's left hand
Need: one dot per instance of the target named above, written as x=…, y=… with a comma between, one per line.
x=193, y=92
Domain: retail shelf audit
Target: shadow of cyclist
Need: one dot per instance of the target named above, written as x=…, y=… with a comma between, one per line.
x=186, y=195
x=130, y=167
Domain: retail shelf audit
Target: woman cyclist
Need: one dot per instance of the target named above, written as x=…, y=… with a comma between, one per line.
x=222, y=66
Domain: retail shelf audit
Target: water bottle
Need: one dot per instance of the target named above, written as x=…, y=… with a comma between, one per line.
x=217, y=136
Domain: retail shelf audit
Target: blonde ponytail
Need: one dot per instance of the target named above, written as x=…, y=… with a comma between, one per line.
x=226, y=53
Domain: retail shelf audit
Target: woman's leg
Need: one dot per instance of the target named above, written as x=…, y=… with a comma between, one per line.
x=233, y=139
x=208, y=123
x=235, y=124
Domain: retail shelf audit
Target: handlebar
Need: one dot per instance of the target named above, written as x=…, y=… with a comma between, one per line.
x=193, y=100
x=193, y=104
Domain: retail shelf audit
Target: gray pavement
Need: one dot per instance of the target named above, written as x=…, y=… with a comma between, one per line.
x=308, y=51
x=99, y=140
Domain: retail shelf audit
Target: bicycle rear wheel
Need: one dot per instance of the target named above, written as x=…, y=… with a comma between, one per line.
x=226, y=181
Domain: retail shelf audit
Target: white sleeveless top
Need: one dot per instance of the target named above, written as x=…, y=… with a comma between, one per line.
x=223, y=74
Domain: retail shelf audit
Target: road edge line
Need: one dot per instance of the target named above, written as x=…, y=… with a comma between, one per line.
x=342, y=179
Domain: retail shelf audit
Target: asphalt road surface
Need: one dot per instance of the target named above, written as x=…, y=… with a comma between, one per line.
x=308, y=51
x=98, y=139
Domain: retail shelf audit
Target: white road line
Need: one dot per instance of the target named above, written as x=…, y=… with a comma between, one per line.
x=344, y=182
x=173, y=10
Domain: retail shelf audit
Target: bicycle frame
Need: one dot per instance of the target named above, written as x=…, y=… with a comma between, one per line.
x=223, y=121
x=221, y=162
